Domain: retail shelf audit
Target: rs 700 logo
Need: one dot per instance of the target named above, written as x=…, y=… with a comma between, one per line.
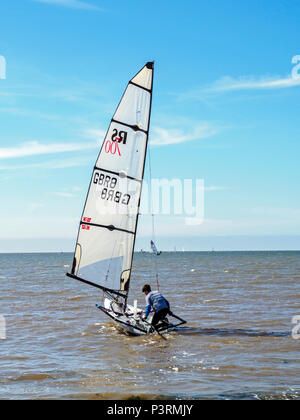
x=112, y=146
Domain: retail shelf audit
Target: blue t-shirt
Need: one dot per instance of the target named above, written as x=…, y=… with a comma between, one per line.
x=156, y=301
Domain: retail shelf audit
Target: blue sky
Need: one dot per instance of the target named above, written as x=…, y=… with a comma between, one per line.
x=225, y=109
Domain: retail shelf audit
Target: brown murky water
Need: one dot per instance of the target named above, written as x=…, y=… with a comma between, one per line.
x=237, y=343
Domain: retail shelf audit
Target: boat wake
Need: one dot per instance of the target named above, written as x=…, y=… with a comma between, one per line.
x=223, y=332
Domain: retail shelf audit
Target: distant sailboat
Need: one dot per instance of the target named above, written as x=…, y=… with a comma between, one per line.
x=106, y=238
x=154, y=249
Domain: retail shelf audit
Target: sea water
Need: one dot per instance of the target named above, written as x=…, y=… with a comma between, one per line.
x=238, y=341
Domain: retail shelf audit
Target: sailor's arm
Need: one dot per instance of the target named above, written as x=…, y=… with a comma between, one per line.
x=148, y=310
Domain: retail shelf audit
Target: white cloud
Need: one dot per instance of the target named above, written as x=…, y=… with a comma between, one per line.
x=277, y=213
x=72, y=4
x=33, y=207
x=229, y=83
x=71, y=193
x=163, y=136
x=215, y=188
x=64, y=194
x=27, y=113
x=95, y=133
x=52, y=164
x=36, y=148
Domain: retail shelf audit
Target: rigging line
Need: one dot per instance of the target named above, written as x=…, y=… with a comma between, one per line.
x=152, y=215
x=109, y=264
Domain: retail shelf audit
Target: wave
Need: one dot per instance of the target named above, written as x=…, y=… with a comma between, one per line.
x=222, y=332
x=30, y=377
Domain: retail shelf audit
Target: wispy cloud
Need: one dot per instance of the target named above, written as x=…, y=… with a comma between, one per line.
x=277, y=213
x=33, y=207
x=97, y=134
x=52, y=164
x=64, y=194
x=231, y=84
x=70, y=193
x=36, y=148
x=72, y=4
x=215, y=188
x=27, y=113
x=164, y=136
x=247, y=82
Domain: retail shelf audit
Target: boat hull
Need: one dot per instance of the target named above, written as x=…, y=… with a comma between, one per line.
x=131, y=321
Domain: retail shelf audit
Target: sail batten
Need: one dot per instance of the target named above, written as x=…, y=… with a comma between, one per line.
x=133, y=127
x=107, y=229
x=110, y=227
x=142, y=87
x=121, y=174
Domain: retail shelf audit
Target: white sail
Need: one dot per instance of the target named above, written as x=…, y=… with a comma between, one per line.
x=105, y=243
x=154, y=249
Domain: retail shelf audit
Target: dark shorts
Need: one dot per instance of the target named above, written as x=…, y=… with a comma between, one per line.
x=158, y=316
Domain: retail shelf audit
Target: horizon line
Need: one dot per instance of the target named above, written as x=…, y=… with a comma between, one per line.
x=163, y=251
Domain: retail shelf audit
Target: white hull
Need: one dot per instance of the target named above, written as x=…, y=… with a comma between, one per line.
x=131, y=320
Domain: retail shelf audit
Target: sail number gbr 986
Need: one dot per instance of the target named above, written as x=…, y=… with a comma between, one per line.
x=109, y=191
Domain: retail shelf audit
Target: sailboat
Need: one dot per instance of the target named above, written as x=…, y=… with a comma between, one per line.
x=108, y=226
x=154, y=249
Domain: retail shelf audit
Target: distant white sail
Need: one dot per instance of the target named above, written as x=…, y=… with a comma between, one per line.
x=154, y=249
x=105, y=243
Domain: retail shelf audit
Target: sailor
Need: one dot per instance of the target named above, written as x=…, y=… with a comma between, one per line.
x=156, y=301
